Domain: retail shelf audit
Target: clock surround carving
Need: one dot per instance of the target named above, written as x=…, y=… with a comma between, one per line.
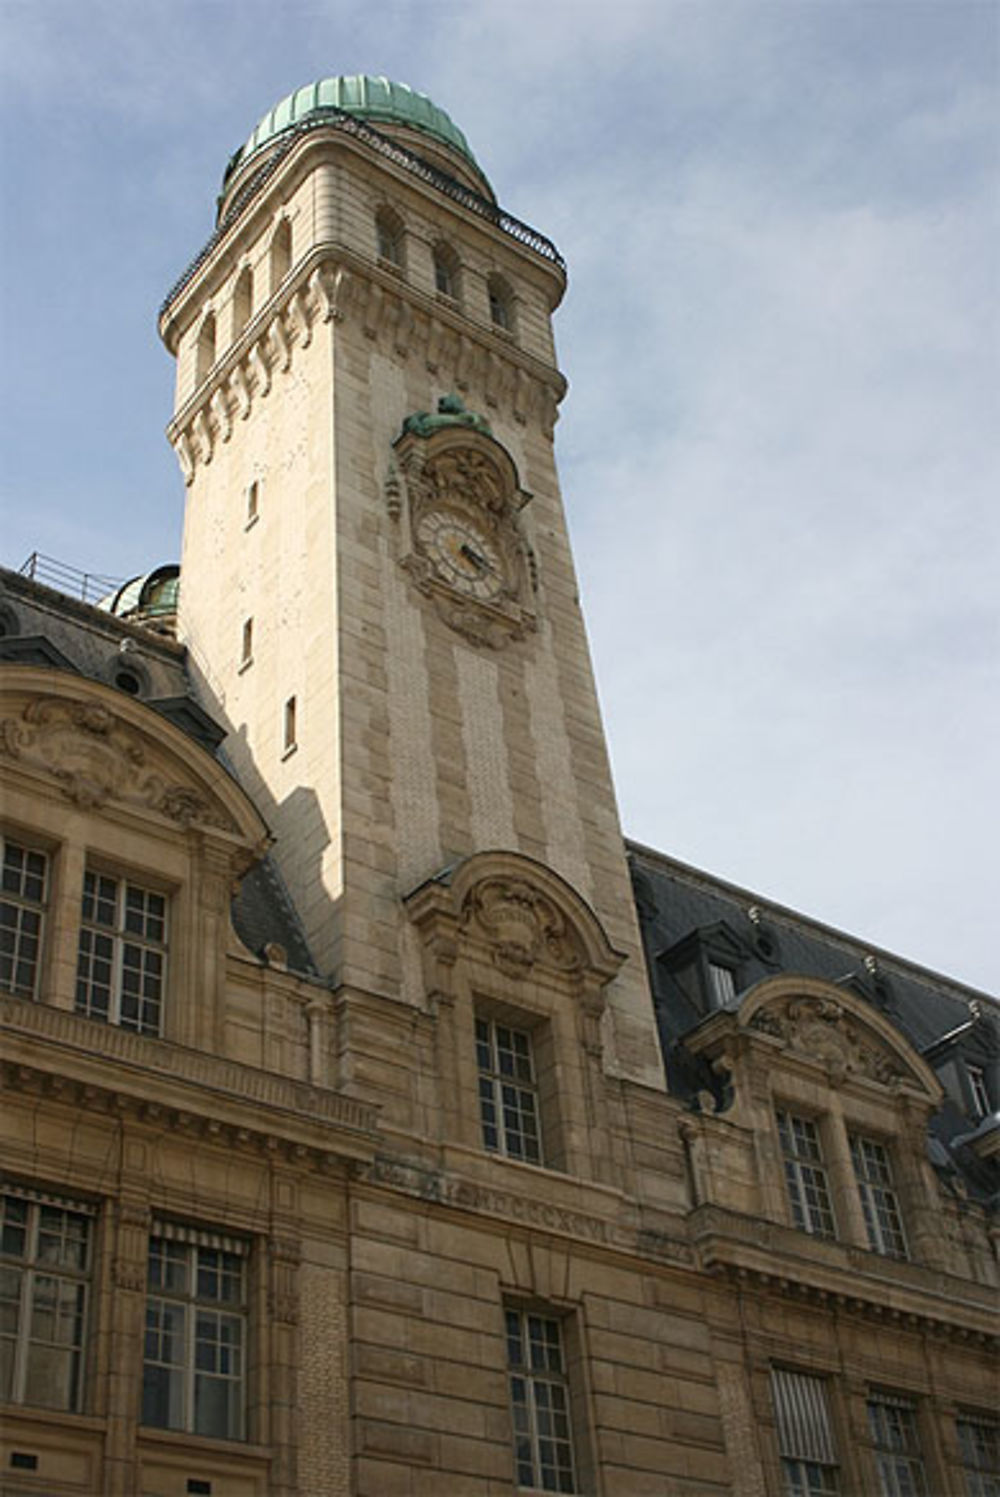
x=454, y=497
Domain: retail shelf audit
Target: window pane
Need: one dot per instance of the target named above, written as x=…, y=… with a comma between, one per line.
x=42, y=1304
x=194, y=1375
x=540, y=1417
x=121, y=960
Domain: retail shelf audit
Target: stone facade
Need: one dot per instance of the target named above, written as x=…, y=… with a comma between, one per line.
x=364, y=1132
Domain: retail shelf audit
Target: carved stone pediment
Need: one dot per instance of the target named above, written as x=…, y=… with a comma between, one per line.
x=519, y=915
x=96, y=757
x=521, y=925
x=824, y=1030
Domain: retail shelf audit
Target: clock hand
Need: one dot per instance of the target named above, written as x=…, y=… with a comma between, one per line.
x=478, y=561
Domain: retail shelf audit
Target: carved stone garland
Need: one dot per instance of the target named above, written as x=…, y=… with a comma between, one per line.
x=822, y=1030
x=96, y=758
x=522, y=927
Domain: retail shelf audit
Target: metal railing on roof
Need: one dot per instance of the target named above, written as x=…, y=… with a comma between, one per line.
x=88, y=587
x=339, y=119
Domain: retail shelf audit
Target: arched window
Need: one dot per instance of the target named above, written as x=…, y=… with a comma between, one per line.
x=389, y=237
x=242, y=300
x=446, y=271
x=281, y=254
x=206, y=349
x=501, y=304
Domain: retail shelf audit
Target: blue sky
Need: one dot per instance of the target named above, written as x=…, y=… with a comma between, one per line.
x=778, y=451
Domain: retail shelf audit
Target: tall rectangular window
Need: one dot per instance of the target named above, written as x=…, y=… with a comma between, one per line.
x=194, y=1371
x=44, y=1277
x=805, y=1435
x=898, y=1460
x=540, y=1403
x=805, y=1175
x=246, y=643
x=873, y=1173
x=121, y=966
x=979, y=1444
x=508, y=1091
x=24, y=878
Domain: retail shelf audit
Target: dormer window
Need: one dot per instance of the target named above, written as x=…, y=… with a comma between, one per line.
x=721, y=985
x=979, y=1090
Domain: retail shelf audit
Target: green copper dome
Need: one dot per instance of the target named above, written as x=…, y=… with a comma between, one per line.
x=375, y=99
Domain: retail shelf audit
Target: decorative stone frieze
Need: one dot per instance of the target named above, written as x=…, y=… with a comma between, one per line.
x=329, y=286
x=97, y=758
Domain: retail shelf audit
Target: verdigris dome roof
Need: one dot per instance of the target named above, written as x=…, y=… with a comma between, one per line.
x=375, y=99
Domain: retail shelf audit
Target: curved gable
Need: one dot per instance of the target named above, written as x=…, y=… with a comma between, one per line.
x=818, y=1021
x=103, y=748
x=526, y=914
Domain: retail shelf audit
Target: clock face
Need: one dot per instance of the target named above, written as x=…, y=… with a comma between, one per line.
x=462, y=554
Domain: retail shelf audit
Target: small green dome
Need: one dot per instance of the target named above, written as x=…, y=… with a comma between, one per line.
x=374, y=99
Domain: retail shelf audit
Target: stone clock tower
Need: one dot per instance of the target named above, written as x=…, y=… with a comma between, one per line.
x=378, y=593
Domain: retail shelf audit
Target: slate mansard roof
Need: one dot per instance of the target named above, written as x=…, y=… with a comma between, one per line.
x=691, y=921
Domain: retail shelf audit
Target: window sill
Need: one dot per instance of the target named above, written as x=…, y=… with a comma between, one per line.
x=292, y=748
x=57, y=1418
x=244, y=665
x=251, y=522
x=207, y=1444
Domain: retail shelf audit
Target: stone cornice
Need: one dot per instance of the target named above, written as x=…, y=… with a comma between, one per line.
x=84, y=1062
x=329, y=285
x=346, y=133
x=840, y=1277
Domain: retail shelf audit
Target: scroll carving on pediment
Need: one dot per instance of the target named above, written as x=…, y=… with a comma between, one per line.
x=97, y=758
x=522, y=926
x=823, y=1030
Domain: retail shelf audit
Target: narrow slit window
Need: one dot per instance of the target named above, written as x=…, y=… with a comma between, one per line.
x=501, y=304
x=246, y=646
x=389, y=238
x=253, y=502
x=290, y=735
x=446, y=271
x=242, y=300
x=281, y=254
x=205, y=358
